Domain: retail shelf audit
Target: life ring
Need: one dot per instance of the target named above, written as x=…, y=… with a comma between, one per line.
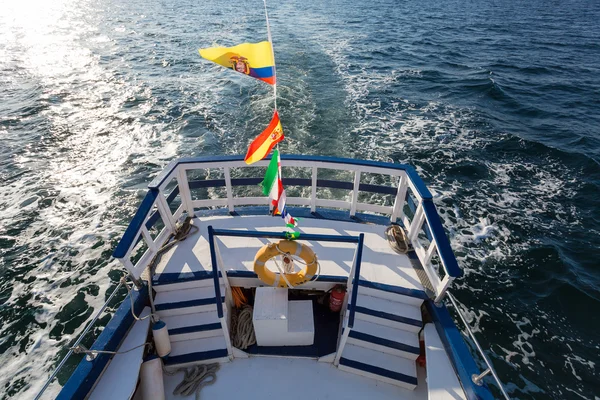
x=293, y=248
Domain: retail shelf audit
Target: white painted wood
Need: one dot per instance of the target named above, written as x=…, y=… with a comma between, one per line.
x=294, y=379
x=245, y=201
x=184, y=191
x=327, y=359
x=413, y=188
x=226, y=336
x=179, y=212
x=168, y=179
x=341, y=347
x=442, y=382
x=195, y=335
x=210, y=203
x=387, y=322
x=381, y=360
x=400, y=200
x=333, y=203
x=148, y=239
x=356, y=184
x=416, y=224
x=379, y=264
x=165, y=212
x=184, y=285
x=228, y=189
x=197, y=345
x=390, y=307
x=414, y=301
x=388, y=333
x=298, y=201
x=270, y=316
x=177, y=296
x=375, y=208
x=187, y=310
x=301, y=324
x=162, y=237
x=182, y=321
x=399, y=309
x=313, y=193
x=444, y=285
x=223, y=279
x=237, y=353
x=124, y=368
x=187, y=320
x=344, y=167
x=143, y=262
x=430, y=251
x=129, y=266
x=294, y=163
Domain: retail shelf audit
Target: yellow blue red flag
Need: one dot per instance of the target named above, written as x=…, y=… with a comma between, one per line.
x=253, y=59
x=264, y=143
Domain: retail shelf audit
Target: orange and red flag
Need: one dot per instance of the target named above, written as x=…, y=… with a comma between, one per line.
x=264, y=143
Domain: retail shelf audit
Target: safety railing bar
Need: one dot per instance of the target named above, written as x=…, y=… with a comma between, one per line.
x=284, y=235
x=79, y=339
x=479, y=349
x=359, y=251
x=213, y=260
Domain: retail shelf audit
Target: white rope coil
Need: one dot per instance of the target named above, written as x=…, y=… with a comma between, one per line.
x=242, y=328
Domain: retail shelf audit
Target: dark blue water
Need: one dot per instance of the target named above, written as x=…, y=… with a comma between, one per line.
x=497, y=104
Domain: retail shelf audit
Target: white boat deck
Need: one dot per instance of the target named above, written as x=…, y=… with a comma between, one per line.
x=380, y=264
x=301, y=379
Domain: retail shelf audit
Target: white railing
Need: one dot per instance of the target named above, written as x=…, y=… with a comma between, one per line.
x=405, y=184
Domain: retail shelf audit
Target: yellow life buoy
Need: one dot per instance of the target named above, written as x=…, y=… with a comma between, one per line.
x=285, y=246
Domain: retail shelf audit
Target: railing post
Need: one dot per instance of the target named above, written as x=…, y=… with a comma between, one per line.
x=184, y=191
x=441, y=292
x=352, y=293
x=215, y=269
x=338, y=355
x=355, y=193
x=398, y=211
x=313, y=195
x=148, y=239
x=228, y=189
x=417, y=223
x=165, y=212
x=430, y=250
x=213, y=260
x=228, y=294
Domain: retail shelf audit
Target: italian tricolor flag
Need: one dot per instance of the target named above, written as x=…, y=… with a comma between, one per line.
x=273, y=188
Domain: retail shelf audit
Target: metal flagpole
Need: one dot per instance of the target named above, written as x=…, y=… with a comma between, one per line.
x=273, y=53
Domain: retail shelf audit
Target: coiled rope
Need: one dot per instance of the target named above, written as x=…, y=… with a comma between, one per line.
x=242, y=329
x=195, y=378
x=397, y=239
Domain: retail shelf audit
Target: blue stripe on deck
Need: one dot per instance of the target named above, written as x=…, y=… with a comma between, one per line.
x=196, y=328
x=178, y=277
x=397, y=376
x=419, y=294
x=383, y=342
x=188, y=303
x=388, y=316
x=193, y=357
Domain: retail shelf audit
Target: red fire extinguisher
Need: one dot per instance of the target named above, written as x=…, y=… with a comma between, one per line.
x=336, y=298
